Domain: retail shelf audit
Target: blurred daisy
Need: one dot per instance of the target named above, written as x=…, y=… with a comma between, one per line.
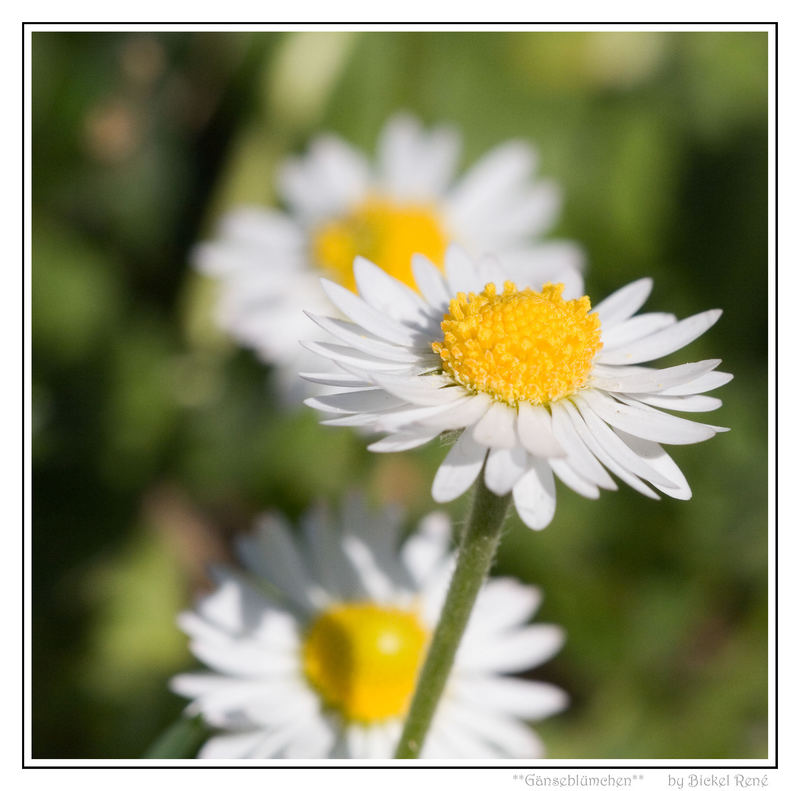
x=537, y=385
x=315, y=649
x=409, y=200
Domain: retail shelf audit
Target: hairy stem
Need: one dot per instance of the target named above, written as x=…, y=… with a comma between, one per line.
x=475, y=554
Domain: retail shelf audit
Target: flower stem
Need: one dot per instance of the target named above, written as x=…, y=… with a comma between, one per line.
x=475, y=554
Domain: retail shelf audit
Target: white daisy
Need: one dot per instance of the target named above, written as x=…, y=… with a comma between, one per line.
x=315, y=648
x=536, y=385
x=340, y=205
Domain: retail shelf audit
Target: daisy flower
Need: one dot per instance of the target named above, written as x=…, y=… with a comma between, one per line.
x=314, y=649
x=409, y=200
x=536, y=385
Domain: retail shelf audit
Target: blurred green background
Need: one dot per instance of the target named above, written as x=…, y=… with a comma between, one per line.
x=156, y=439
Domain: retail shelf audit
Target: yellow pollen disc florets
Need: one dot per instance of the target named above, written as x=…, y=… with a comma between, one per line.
x=519, y=345
x=363, y=659
x=386, y=233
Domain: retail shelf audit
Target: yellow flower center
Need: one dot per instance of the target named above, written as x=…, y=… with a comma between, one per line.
x=363, y=659
x=519, y=345
x=384, y=232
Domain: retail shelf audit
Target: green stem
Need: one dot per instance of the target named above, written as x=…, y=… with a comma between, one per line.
x=475, y=554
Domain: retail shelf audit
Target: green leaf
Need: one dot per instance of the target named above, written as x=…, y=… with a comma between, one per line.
x=180, y=740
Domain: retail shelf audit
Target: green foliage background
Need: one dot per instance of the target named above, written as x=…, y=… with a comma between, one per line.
x=156, y=439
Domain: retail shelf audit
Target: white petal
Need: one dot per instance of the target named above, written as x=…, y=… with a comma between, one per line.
x=623, y=303
x=398, y=148
x=692, y=403
x=336, y=379
x=661, y=343
x=243, y=659
x=350, y=356
x=387, y=295
x=461, y=271
x=377, y=742
x=504, y=467
x=436, y=170
x=373, y=578
x=206, y=685
x=513, y=651
x=602, y=453
x=356, y=419
x=449, y=739
x=203, y=631
x=655, y=456
x=355, y=736
x=511, y=737
x=326, y=182
x=410, y=417
x=393, y=729
x=535, y=496
x=342, y=169
x=355, y=336
x=261, y=227
x=530, y=700
x=460, y=414
x=426, y=548
x=434, y=746
x=535, y=431
x=365, y=315
x=635, y=328
x=650, y=380
x=551, y=261
x=426, y=390
x=579, y=457
x=331, y=567
x=230, y=711
x=709, y=381
x=272, y=702
x=498, y=174
x=646, y=422
x=274, y=742
x=413, y=164
x=372, y=400
x=277, y=629
x=459, y=469
x=271, y=553
x=340, y=748
x=503, y=603
x=637, y=403
x=379, y=532
x=234, y=605
x=533, y=211
x=402, y=440
x=430, y=283
x=570, y=478
x=618, y=449
x=497, y=428
x=232, y=745
x=314, y=740
x=289, y=702
x=490, y=270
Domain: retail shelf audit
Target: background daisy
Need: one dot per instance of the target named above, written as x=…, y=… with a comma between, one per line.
x=314, y=649
x=340, y=204
x=536, y=385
